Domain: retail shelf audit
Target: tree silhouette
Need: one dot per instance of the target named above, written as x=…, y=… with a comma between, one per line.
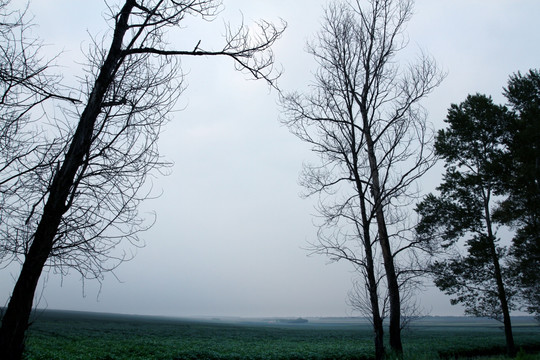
x=76, y=214
x=364, y=121
x=473, y=150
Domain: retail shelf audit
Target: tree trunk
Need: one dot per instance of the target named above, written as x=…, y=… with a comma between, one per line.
x=378, y=337
x=501, y=292
x=510, y=346
x=15, y=320
x=393, y=286
x=384, y=240
x=391, y=277
x=378, y=329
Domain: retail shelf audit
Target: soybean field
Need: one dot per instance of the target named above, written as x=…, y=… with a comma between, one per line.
x=78, y=335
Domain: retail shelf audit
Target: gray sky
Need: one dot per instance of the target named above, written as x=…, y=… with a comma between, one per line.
x=231, y=227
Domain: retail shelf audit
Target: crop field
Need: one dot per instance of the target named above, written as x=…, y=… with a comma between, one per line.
x=72, y=335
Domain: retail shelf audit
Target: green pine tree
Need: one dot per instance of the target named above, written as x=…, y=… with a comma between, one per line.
x=457, y=224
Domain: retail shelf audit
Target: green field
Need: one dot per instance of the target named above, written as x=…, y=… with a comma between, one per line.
x=72, y=335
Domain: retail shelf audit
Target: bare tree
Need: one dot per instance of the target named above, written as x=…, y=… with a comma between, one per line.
x=76, y=214
x=26, y=84
x=364, y=120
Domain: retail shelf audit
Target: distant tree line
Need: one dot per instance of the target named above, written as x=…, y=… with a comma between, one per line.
x=293, y=321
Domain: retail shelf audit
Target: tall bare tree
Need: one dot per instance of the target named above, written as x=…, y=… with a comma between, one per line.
x=364, y=120
x=76, y=214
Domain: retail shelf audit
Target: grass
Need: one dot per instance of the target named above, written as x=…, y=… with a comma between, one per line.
x=68, y=335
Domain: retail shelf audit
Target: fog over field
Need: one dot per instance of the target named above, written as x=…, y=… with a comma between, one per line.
x=231, y=228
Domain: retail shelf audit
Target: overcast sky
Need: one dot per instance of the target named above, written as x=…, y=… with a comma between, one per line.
x=231, y=226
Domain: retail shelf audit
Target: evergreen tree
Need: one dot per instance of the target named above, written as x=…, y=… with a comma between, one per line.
x=460, y=217
x=521, y=179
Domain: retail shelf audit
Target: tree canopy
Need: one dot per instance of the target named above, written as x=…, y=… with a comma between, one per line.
x=521, y=181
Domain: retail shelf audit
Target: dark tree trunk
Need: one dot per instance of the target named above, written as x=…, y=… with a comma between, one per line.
x=393, y=287
x=378, y=337
x=378, y=329
x=501, y=292
x=510, y=346
x=384, y=240
x=16, y=317
x=391, y=277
